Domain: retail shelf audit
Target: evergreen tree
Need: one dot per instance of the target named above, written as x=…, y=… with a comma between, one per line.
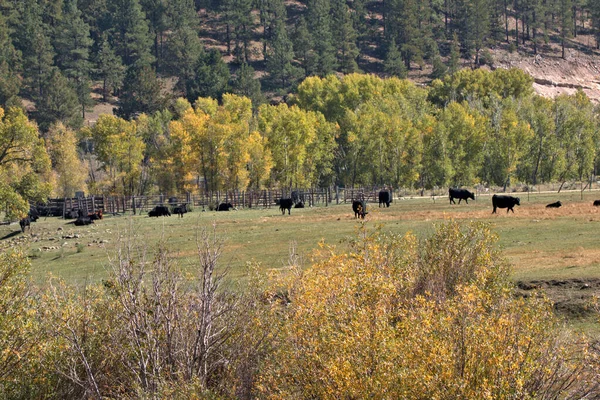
x=142, y=93
x=404, y=18
x=303, y=46
x=10, y=82
x=211, y=78
x=439, y=68
x=280, y=56
x=184, y=51
x=394, y=65
x=566, y=22
x=474, y=25
x=155, y=13
x=129, y=33
x=320, y=29
x=240, y=25
x=110, y=69
x=454, y=61
x=33, y=41
x=245, y=84
x=58, y=102
x=594, y=7
x=270, y=11
x=344, y=36
x=72, y=43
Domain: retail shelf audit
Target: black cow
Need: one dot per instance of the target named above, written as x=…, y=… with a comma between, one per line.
x=554, y=205
x=25, y=222
x=286, y=204
x=597, y=203
x=224, y=207
x=33, y=215
x=82, y=221
x=385, y=198
x=299, y=204
x=360, y=209
x=460, y=194
x=180, y=210
x=501, y=201
x=297, y=197
x=159, y=211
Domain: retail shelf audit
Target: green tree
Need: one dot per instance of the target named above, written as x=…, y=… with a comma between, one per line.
x=303, y=46
x=58, y=102
x=72, y=43
x=344, y=36
x=184, y=52
x=246, y=84
x=142, y=93
x=129, y=33
x=24, y=164
x=565, y=15
x=110, y=69
x=10, y=60
x=280, y=54
x=394, y=65
x=318, y=16
x=211, y=78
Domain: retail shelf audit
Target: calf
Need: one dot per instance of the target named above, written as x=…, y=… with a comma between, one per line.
x=224, y=207
x=360, y=209
x=180, y=210
x=597, y=203
x=81, y=221
x=554, y=205
x=385, y=198
x=24, y=223
x=286, y=204
x=299, y=204
x=159, y=211
x=501, y=201
x=460, y=194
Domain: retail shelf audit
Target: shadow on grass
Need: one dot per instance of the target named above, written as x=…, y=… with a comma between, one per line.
x=12, y=234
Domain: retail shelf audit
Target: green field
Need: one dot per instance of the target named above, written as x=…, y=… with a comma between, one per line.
x=542, y=244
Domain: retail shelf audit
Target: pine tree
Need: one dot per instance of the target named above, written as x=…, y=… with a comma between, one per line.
x=474, y=25
x=245, y=84
x=155, y=13
x=142, y=93
x=211, y=78
x=58, y=102
x=280, y=55
x=566, y=19
x=439, y=68
x=394, y=65
x=110, y=69
x=454, y=61
x=184, y=51
x=270, y=11
x=240, y=25
x=320, y=29
x=344, y=36
x=10, y=82
x=303, y=46
x=129, y=34
x=72, y=43
x=33, y=41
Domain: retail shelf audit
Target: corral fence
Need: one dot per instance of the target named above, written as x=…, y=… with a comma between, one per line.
x=69, y=207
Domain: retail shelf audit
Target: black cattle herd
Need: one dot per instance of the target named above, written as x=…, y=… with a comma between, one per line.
x=359, y=207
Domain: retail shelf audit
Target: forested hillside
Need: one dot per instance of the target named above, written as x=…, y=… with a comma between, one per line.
x=63, y=56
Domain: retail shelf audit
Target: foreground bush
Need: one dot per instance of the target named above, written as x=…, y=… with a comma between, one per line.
x=388, y=317
x=395, y=318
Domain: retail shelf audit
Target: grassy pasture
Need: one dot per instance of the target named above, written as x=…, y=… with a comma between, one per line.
x=542, y=244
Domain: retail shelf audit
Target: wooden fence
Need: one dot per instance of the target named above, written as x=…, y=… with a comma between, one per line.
x=65, y=207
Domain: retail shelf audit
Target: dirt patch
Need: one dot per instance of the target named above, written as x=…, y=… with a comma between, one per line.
x=572, y=298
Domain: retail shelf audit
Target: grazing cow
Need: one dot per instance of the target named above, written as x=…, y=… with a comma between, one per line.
x=286, y=204
x=299, y=204
x=224, y=207
x=385, y=198
x=597, y=203
x=159, y=211
x=180, y=210
x=360, y=209
x=81, y=221
x=554, y=205
x=25, y=222
x=460, y=194
x=501, y=201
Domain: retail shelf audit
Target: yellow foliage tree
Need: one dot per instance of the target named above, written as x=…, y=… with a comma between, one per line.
x=69, y=170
